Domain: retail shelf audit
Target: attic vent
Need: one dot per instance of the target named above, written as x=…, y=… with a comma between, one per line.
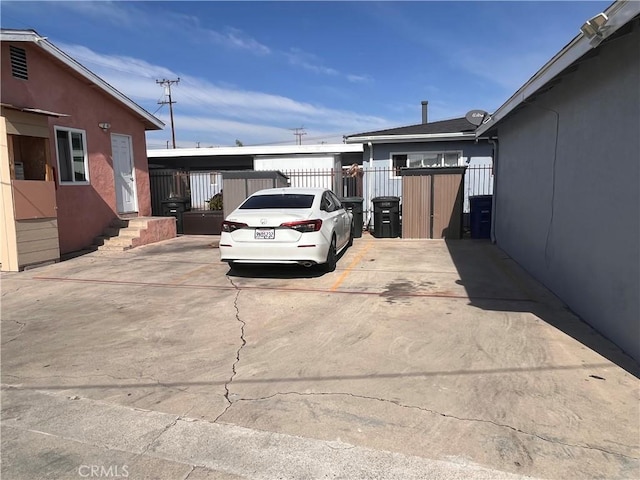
x=18, y=62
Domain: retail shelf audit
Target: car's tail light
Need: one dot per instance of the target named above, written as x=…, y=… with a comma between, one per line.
x=304, y=225
x=232, y=226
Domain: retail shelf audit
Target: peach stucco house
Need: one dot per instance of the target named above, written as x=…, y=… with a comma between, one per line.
x=72, y=155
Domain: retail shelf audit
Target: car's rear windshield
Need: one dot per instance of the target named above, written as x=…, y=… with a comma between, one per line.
x=288, y=200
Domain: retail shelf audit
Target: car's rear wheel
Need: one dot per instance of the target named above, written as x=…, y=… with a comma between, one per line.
x=332, y=256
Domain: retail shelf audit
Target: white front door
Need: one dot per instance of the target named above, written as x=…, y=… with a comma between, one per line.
x=123, y=172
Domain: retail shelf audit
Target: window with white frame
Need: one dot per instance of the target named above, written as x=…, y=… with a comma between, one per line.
x=71, y=147
x=424, y=159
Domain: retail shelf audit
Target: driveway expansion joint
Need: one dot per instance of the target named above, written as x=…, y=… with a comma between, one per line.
x=242, y=344
x=463, y=419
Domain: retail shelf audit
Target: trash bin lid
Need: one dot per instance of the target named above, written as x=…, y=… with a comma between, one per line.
x=351, y=199
x=385, y=199
x=175, y=200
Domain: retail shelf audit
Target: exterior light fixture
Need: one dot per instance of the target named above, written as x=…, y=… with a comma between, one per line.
x=104, y=126
x=593, y=28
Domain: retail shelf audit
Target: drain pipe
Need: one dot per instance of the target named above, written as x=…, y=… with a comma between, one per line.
x=368, y=195
x=494, y=203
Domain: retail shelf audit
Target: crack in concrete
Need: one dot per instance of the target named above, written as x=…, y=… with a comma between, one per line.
x=196, y=466
x=433, y=412
x=193, y=467
x=5, y=293
x=22, y=326
x=155, y=439
x=243, y=343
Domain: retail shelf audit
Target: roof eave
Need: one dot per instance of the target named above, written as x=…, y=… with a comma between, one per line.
x=151, y=122
x=327, y=149
x=433, y=137
x=619, y=13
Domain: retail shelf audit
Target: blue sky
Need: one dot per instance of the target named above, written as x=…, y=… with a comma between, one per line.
x=254, y=71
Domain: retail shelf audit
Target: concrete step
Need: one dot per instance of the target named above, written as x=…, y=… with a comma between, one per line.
x=100, y=240
x=114, y=248
x=138, y=222
x=119, y=241
x=121, y=233
x=129, y=232
x=125, y=238
x=111, y=232
x=119, y=223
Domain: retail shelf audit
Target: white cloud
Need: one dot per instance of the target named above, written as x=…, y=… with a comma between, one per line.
x=118, y=13
x=312, y=63
x=114, y=63
x=237, y=38
x=209, y=131
x=308, y=61
x=257, y=117
x=359, y=78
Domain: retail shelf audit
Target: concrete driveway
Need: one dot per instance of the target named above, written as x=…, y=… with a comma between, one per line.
x=414, y=359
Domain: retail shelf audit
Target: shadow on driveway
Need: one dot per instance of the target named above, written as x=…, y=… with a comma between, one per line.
x=476, y=270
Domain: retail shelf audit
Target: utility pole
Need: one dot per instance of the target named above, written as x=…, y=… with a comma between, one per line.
x=298, y=133
x=167, y=89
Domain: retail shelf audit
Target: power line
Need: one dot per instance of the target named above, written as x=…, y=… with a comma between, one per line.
x=298, y=133
x=167, y=88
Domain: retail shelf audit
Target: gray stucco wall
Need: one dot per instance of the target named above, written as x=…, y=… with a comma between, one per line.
x=580, y=237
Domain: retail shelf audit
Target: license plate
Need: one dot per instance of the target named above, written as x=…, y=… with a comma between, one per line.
x=265, y=234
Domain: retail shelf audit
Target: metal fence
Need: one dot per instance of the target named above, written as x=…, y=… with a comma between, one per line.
x=167, y=183
x=200, y=186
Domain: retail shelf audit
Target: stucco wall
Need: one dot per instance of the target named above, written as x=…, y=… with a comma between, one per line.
x=570, y=215
x=83, y=210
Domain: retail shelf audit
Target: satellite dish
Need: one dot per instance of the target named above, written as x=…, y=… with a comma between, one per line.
x=476, y=117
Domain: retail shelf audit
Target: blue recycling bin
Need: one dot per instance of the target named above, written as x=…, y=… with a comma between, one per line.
x=480, y=215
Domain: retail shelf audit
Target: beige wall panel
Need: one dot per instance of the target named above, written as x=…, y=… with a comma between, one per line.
x=416, y=206
x=8, y=249
x=37, y=241
x=447, y=206
x=32, y=258
x=32, y=234
x=36, y=224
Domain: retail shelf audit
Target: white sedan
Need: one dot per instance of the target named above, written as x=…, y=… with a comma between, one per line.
x=306, y=226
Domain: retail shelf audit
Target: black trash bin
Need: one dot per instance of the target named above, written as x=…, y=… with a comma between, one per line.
x=354, y=205
x=175, y=207
x=480, y=215
x=386, y=217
